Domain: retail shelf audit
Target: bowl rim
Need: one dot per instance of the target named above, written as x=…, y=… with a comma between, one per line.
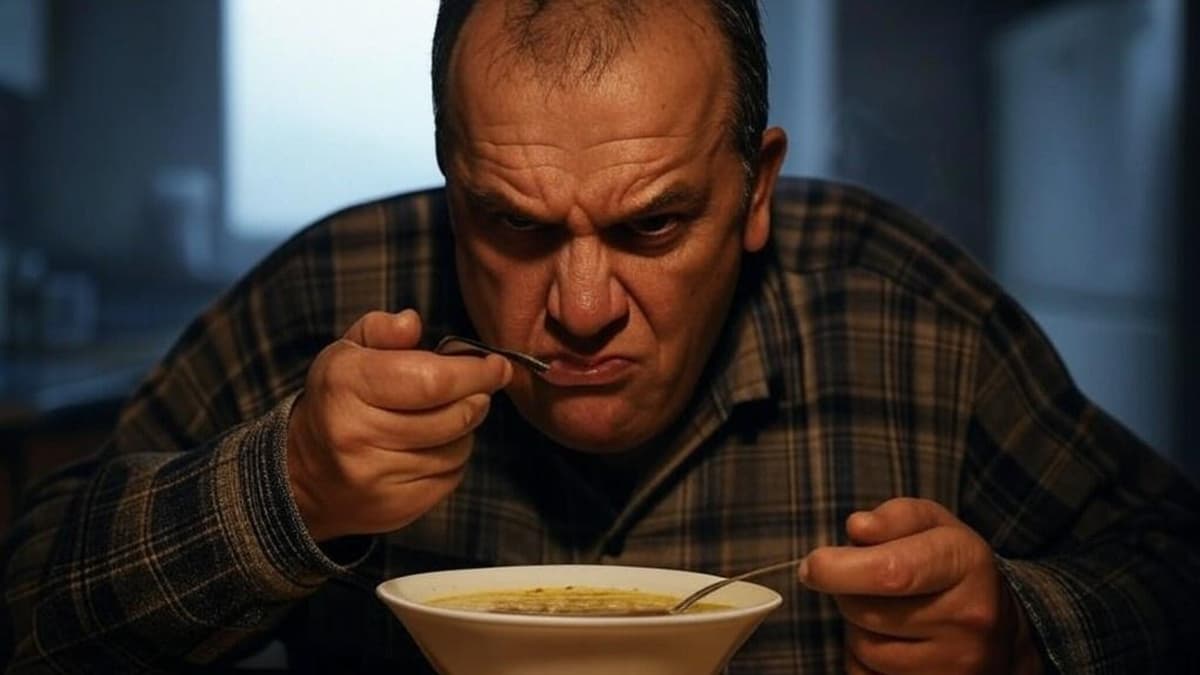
x=385, y=593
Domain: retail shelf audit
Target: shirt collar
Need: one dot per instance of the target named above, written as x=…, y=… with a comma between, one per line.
x=744, y=369
x=746, y=365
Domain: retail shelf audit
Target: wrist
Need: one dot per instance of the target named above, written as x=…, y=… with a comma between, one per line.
x=298, y=475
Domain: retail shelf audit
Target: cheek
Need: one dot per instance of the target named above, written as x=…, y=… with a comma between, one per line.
x=504, y=297
x=679, y=296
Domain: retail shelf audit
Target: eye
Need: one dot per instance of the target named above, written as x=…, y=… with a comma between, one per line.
x=519, y=224
x=653, y=226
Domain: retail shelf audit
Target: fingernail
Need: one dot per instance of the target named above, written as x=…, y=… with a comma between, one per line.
x=802, y=572
x=864, y=518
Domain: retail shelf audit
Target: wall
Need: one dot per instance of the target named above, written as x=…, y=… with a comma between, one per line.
x=801, y=50
x=912, y=106
x=911, y=109
x=22, y=64
x=1087, y=99
x=130, y=88
x=1186, y=244
x=12, y=129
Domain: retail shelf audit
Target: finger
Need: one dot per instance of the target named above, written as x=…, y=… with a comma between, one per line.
x=384, y=330
x=896, y=518
x=427, y=463
x=877, y=653
x=928, y=562
x=418, y=497
x=426, y=428
x=910, y=617
x=421, y=380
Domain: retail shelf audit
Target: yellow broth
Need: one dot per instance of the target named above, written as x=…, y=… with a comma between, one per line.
x=569, y=601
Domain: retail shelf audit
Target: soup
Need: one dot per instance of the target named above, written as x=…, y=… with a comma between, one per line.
x=569, y=600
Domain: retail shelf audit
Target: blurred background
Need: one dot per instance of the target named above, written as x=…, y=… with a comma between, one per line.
x=151, y=152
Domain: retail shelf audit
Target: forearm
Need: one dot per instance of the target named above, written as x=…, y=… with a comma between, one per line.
x=1110, y=585
x=1096, y=532
x=1114, y=608
x=162, y=559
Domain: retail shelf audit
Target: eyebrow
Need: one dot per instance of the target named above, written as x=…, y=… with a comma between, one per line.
x=676, y=196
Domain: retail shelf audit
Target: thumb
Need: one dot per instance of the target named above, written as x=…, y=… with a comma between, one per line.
x=384, y=330
x=896, y=518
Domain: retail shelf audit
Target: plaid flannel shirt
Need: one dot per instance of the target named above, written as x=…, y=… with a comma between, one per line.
x=865, y=357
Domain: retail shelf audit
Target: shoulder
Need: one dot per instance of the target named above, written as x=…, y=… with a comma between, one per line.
x=835, y=231
x=405, y=215
x=398, y=230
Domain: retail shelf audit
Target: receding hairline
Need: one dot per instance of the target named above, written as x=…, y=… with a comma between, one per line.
x=584, y=56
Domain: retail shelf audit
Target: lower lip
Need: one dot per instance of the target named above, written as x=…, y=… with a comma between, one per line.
x=567, y=374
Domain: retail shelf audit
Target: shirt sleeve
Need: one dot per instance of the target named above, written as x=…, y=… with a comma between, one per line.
x=158, y=559
x=1096, y=533
x=179, y=542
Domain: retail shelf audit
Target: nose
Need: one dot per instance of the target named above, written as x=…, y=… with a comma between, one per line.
x=585, y=297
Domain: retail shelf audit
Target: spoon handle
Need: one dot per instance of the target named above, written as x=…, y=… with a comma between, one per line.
x=690, y=600
x=455, y=344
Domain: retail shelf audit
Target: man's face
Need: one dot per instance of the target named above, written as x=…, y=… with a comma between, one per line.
x=600, y=224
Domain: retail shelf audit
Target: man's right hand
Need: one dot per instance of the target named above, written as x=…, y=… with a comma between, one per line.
x=382, y=431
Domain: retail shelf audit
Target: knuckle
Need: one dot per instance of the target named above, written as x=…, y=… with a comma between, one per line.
x=471, y=410
x=337, y=369
x=911, y=510
x=892, y=575
x=351, y=474
x=476, y=410
x=466, y=414
x=978, y=616
x=338, y=438
x=373, y=320
x=434, y=385
x=338, y=435
x=871, y=619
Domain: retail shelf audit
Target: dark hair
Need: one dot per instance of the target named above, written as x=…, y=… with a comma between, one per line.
x=737, y=20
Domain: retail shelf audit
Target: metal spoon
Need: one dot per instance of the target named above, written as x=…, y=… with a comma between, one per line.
x=455, y=344
x=683, y=605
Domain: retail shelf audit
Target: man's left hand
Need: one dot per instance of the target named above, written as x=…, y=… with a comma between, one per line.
x=920, y=593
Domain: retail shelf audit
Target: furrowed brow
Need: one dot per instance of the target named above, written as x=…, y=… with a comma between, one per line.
x=674, y=198
x=491, y=201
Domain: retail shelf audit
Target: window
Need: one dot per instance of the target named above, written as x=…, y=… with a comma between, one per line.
x=326, y=104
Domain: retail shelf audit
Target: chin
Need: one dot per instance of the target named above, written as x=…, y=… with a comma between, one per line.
x=591, y=444
x=594, y=427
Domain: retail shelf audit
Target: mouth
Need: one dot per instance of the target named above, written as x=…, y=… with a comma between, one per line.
x=568, y=370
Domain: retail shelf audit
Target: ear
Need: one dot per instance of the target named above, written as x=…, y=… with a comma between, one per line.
x=770, y=162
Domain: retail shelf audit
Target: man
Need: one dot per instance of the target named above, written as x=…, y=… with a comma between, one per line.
x=743, y=370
